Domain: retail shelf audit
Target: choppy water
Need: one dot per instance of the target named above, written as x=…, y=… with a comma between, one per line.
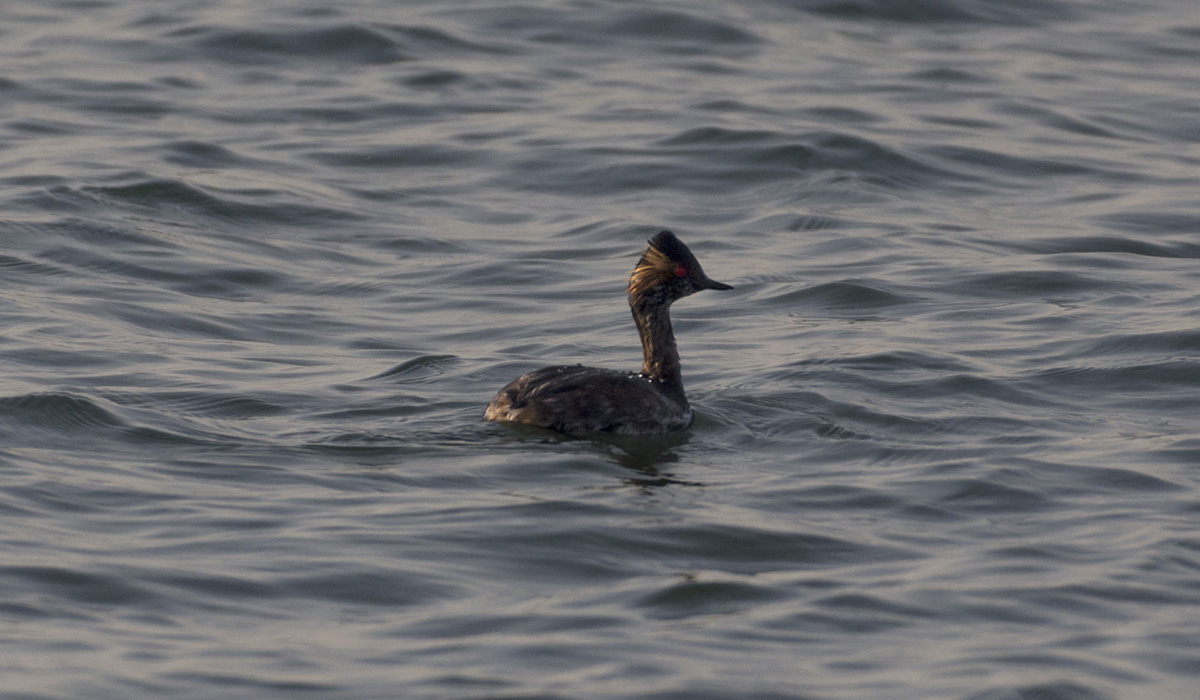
x=263, y=265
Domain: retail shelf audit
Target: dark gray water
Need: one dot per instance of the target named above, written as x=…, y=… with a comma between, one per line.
x=264, y=264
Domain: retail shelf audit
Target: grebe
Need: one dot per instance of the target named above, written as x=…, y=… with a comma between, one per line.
x=578, y=399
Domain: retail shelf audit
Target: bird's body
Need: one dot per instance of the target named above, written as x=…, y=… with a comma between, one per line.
x=578, y=399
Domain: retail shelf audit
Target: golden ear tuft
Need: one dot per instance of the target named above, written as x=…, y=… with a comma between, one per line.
x=651, y=270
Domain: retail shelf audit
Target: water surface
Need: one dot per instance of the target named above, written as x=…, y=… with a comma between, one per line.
x=263, y=267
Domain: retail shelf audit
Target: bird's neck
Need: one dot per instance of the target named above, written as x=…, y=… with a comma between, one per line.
x=661, y=357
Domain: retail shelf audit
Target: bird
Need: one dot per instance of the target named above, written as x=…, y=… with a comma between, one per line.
x=574, y=399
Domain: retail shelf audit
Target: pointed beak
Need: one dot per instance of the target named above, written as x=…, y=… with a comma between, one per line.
x=713, y=284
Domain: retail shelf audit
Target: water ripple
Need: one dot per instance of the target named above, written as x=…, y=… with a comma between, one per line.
x=57, y=412
x=243, y=207
x=1021, y=13
x=349, y=44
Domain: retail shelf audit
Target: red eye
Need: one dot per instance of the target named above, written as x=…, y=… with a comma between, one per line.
x=681, y=271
